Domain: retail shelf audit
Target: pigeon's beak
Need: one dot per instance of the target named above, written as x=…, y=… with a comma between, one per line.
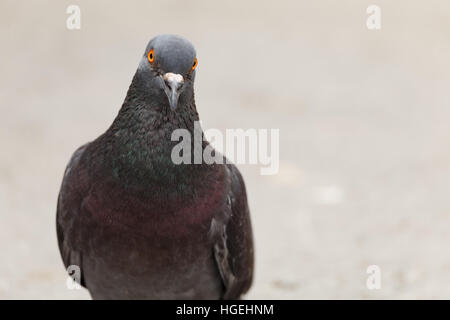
x=173, y=84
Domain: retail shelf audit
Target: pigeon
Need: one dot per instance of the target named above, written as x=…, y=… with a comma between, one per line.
x=136, y=224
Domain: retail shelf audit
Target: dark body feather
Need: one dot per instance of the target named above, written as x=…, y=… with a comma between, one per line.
x=140, y=226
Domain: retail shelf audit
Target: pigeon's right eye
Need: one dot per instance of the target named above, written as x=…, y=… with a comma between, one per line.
x=195, y=64
x=151, y=56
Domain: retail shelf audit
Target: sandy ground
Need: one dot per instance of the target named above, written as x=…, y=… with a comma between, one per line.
x=364, y=132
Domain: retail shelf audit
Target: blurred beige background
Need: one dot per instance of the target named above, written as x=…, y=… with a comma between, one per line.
x=364, y=132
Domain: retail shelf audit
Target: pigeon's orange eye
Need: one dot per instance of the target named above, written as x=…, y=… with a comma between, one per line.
x=151, y=56
x=195, y=64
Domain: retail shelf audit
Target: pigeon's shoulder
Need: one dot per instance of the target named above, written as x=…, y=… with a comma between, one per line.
x=233, y=245
x=68, y=206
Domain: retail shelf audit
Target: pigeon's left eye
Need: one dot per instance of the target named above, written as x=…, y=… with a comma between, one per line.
x=195, y=64
x=151, y=56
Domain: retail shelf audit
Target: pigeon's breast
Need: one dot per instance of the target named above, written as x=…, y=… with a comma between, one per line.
x=150, y=240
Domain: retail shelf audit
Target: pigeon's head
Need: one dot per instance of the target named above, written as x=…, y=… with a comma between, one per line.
x=168, y=68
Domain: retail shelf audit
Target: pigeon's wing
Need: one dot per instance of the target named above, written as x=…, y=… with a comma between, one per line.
x=233, y=244
x=64, y=217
